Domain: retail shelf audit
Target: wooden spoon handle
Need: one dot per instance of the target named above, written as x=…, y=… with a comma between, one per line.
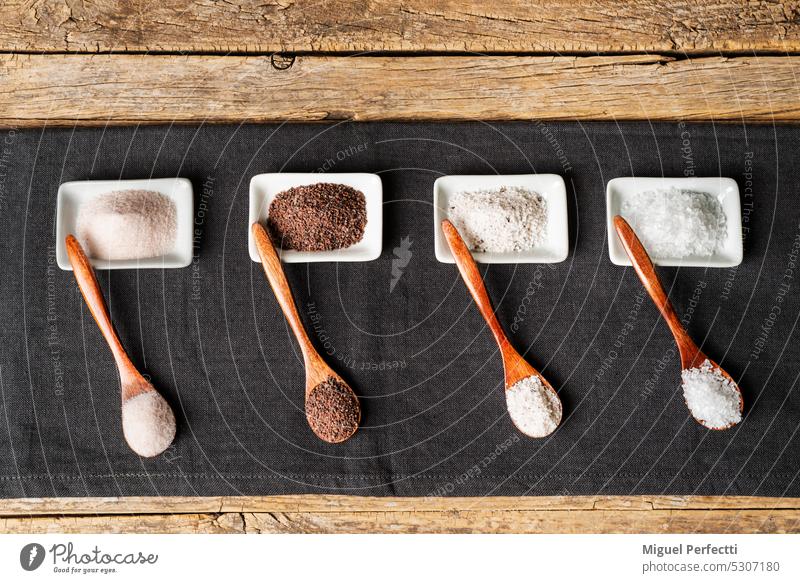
x=277, y=280
x=472, y=277
x=647, y=273
x=93, y=295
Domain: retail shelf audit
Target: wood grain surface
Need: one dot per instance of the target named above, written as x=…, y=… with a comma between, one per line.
x=517, y=26
x=352, y=514
x=126, y=89
x=335, y=503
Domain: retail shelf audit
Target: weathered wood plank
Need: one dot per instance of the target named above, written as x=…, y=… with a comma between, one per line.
x=148, y=524
x=388, y=25
x=476, y=521
x=535, y=521
x=124, y=89
x=328, y=503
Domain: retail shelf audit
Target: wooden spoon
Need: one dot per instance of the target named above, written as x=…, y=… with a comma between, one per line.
x=691, y=355
x=318, y=373
x=515, y=367
x=148, y=422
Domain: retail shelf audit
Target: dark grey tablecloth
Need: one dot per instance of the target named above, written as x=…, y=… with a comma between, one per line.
x=416, y=351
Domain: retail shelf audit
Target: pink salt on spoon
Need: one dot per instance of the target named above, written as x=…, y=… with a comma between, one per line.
x=148, y=422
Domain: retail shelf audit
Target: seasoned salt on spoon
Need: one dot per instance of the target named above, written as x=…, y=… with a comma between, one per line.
x=712, y=396
x=533, y=405
x=332, y=408
x=148, y=422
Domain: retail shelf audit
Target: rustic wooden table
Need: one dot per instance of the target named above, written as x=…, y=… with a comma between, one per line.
x=69, y=62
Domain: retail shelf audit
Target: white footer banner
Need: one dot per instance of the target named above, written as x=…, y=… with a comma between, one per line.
x=395, y=558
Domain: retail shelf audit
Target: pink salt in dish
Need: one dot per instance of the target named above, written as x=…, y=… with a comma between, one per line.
x=127, y=224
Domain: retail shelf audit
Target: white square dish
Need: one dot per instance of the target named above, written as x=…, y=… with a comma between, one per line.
x=725, y=190
x=265, y=187
x=71, y=195
x=552, y=188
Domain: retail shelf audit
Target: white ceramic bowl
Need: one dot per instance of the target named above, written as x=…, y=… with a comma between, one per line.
x=71, y=195
x=265, y=187
x=725, y=190
x=552, y=188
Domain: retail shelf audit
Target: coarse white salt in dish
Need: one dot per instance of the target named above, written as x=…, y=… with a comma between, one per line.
x=533, y=407
x=148, y=423
x=675, y=223
x=127, y=224
x=500, y=220
x=711, y=397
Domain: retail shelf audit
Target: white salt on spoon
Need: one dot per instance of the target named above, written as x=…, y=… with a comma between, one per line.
x=534, y=408
x=712, y=396
x=148, y=422
x=533, y=405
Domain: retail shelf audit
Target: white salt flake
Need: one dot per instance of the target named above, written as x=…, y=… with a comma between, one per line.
x=674, y=223
x=711, y=397
x=534, y=408
x=501, y=220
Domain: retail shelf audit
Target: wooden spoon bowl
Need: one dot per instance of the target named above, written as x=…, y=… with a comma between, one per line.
x=691, y=355
x=318, y=373
x=515, y=368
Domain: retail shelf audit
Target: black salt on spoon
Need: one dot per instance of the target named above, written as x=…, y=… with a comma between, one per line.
x=332, y=410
